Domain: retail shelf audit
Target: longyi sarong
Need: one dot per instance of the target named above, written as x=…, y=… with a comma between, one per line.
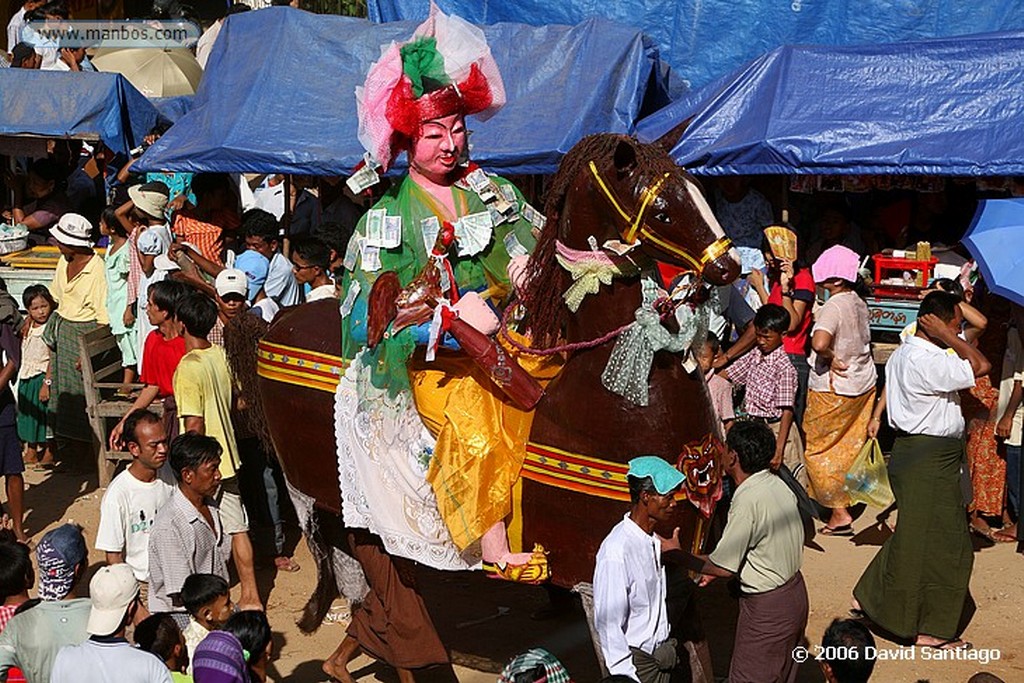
x=769, y=627
x=918, y=581
x=656, y=667
x=391, y=623
x=67, y=395
x=836, y=428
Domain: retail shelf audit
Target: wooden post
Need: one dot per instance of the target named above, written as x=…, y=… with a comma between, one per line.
x=286, y=220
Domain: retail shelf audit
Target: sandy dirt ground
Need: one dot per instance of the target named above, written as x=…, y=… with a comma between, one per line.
x=465, y=607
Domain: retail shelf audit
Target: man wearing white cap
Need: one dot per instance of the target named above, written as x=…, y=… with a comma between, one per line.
x=149, y=236
x=80, y=289
x=107, y=656
x=630, y=612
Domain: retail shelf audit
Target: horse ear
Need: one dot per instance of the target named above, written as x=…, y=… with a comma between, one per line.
x=625, y=158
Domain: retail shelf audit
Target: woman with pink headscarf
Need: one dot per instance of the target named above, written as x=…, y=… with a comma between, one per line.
x=841, y=385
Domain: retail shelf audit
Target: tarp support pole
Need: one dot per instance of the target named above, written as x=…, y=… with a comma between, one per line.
x=286, y=220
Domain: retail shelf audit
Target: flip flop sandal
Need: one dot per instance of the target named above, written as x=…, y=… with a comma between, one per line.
x=982, y=533
x=952, y=644
x=286, y=564
x=1002, y=537
x=844, y=530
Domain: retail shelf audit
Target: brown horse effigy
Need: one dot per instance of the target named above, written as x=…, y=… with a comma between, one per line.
x=590, y=295
x=610, y=189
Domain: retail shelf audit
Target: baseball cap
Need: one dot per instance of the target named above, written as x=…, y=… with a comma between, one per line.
x=666, y=478
x=232, y=281
x=111, y=591
x=58, y=554
x=256, y=266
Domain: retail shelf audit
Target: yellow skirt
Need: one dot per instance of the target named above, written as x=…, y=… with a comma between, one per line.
x=836, y=428
x=481, y=438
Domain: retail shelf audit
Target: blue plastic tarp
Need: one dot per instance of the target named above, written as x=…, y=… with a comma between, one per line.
x=85, y=105
x=278, y=95
x=936, y=107
x=703, y=39
x=173, y=108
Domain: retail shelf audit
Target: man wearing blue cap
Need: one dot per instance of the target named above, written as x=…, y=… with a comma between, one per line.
x=630, y=613
x=761, y=545
x=32, y=639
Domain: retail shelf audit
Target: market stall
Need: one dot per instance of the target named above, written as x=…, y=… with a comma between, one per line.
x=907, y=137
x=37, y=107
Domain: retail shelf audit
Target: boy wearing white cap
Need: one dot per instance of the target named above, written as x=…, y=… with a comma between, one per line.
x=630, y=613
x=107, y=656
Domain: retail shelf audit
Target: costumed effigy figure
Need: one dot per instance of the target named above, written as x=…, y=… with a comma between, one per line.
x=492, y=364
x=427, y=436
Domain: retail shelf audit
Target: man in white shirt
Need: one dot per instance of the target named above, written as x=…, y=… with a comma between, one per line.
x=630, y=613
x=107, y=656
x=206, y=41
x=18, y=21
x=132, y=500
x=311, y=264
x=917, y=585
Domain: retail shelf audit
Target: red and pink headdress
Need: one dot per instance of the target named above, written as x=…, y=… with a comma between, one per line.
x=445, y=68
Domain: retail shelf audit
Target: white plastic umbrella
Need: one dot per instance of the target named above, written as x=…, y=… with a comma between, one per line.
x=154, y=72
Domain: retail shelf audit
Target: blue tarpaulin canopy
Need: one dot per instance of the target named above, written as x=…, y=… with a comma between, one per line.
x=703, y=39
x=936, y=107
x=173, y=108
x=87, y=105
x=278, y=94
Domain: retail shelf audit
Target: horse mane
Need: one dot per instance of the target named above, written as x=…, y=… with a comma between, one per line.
x=241, y=337
x=547, y=313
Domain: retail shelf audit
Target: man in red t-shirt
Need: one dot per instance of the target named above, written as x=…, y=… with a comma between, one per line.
x=161, y=354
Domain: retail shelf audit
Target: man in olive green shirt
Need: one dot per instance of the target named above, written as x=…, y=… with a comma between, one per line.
x=762, y=545
x=31, y=639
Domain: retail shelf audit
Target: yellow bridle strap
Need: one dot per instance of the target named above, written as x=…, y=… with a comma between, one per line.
x=650, y=192
x=670, y=248
x=608, y=193
x=716, y=250
x=637, y=225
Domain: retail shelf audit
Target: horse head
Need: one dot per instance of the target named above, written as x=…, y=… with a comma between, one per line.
x=639, y=195
x=611, y=190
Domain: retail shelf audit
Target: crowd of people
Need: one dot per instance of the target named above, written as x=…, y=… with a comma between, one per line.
x=185, y=271
x=795, y=387
x=196, y=262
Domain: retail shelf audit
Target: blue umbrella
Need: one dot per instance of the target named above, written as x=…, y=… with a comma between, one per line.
x=993, y=240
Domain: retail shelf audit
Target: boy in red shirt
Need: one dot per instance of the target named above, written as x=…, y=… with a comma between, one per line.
x=161, y=354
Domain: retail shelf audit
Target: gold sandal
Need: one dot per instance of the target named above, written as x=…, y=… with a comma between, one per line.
x=536, y=569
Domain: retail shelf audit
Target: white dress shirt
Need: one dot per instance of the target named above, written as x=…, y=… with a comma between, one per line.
x=206, y=41
x=629, y=596
x=14, y=29
x=922, y=382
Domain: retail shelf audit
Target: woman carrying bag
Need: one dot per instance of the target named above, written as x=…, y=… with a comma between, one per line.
x=841, y=385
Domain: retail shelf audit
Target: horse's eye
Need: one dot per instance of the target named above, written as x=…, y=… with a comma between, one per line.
x=662, y=217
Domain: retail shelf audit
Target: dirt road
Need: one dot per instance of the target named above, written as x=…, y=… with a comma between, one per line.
x=830, y=572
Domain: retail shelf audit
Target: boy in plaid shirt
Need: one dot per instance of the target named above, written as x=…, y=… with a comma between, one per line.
x=771, y=383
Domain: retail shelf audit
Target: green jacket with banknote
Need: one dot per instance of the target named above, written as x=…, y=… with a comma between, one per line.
x=477, y=272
